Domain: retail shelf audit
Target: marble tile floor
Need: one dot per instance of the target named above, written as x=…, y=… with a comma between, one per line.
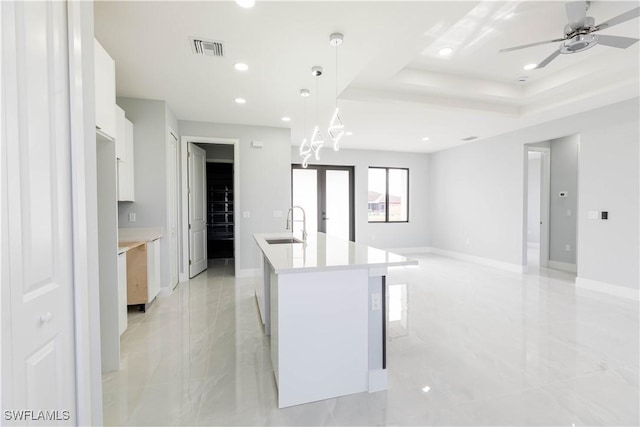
x=468, y=345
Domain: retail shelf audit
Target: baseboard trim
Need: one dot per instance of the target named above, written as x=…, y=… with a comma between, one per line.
x=249, y=272
x=564, y=266
x=607, y=288
x=502, y=265
x=414, y=250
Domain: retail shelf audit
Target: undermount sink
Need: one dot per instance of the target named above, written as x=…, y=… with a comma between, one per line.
x=283, y=241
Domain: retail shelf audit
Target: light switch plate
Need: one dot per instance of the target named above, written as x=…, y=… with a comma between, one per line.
x=375, y=301
x=132, y=217
x=592, y=215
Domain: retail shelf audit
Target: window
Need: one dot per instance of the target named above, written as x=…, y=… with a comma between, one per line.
x=388, y=199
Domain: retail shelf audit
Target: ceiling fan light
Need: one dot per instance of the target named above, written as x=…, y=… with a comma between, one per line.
x=530, y=67
x=579, y=43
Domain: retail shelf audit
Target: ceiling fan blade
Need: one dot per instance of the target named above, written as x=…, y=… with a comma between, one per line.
x=633, y=13
x=616, y=41
x=576, y=13
x=548, y=59
x=509, y=49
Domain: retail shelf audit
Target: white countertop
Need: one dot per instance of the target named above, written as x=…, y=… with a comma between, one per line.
x=324, y=253
x=141, y=234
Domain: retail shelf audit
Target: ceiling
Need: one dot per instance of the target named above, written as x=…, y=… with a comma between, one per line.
x=394, y=88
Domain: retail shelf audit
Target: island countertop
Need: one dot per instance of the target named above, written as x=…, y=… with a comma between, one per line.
x=323, y=252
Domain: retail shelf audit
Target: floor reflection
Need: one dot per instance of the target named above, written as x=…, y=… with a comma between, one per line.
x=479, y=346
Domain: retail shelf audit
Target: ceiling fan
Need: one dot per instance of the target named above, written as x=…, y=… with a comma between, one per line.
x=579, y=32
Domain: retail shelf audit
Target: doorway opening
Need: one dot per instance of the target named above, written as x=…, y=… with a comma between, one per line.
x=326, y=193
x=551, y=204
x=220, y=218
x=210, y=192
x=537, y=250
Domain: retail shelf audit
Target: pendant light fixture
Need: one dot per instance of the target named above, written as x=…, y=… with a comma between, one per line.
x=316, y=138
x=305, y=146
x=336, y=127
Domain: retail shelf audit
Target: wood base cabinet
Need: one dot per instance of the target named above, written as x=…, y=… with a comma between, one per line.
x=143, y=272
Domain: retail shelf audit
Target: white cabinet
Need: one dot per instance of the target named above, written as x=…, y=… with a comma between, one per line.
x=153, y=269
x=105, y=85
x=125, y=165
x=122, y=292
x=121, y=134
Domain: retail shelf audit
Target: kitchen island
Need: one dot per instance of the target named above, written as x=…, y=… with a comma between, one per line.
x=323, y=303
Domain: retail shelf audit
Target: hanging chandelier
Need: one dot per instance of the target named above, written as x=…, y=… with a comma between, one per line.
x=305, y=146
x=336, y=127
x=316, y=137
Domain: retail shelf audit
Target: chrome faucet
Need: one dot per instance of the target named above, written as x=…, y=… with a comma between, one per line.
x=290, y=221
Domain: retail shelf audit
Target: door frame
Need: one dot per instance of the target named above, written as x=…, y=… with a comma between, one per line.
x=545, y=194
x=184, y=198
x=322, y=190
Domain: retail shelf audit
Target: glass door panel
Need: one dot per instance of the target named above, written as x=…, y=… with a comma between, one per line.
x=304, y=193
x=337, y=216
x=326, y=194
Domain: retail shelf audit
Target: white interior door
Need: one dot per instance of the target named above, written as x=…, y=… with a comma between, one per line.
x=197, y=210
x=38, y=362
x=172, y=162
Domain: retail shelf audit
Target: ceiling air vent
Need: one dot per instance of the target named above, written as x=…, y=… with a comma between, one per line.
x=207, y=47
x=469, y=138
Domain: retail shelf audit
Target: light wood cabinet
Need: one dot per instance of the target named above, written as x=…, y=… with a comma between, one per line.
x=105, y=91
x=143, y=272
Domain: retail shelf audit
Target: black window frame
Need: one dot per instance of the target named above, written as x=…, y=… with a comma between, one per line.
x=386, y=202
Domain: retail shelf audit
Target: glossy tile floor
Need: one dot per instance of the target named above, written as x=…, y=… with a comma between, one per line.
x=468, y=345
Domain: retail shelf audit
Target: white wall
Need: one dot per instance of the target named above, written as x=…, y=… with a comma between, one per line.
x=564, y=177
x=533, y=196
x=218, y=151
x=384, y=235
x=476, y=193
x=151, y=120
x=265, y=179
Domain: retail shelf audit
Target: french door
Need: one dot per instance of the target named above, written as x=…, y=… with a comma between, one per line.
x=326, y=193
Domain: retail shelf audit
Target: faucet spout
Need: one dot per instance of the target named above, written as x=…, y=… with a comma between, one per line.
x=290, y=221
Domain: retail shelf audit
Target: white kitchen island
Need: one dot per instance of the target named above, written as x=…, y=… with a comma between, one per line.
x=323, y=303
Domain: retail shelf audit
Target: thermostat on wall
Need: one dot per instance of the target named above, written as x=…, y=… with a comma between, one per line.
x=563, y=194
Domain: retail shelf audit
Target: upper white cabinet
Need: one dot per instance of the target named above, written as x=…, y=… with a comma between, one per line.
x=105, y=73
x=125, y=165
x=121, y=134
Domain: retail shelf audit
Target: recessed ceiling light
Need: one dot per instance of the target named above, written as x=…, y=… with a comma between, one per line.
x=241, y=66
x=446, y=51
x=349, y=133
x=286, y=119
x=426, y=138
x=509, y=15
x=240, y=100
x=246, y=3
x=304, y=92
x=530, y=66
x=426, y=389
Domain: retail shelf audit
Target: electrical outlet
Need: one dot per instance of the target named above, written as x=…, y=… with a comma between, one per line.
x=132, y=217
x=375, y=301
x=246, y=214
